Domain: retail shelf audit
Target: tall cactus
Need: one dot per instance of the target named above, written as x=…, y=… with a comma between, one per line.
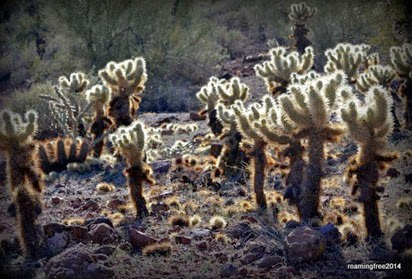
x=131, y=142
x=231, y=159
x=99, y=96
x=23, y=178
x=126, y=81
x=278, y=71
x=347, y=58
x=401, y=58
x=300, y=13
x=369, y=127
x=209, y=97
x=309, y=108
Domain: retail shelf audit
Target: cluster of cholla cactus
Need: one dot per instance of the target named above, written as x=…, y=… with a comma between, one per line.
x=131, y=142
x=99, y=96
x=300, y=13
x=23, y=177
x=278, y=71
x=401, y=58
x=230, y=162
x=370, y=128
x=126, y=81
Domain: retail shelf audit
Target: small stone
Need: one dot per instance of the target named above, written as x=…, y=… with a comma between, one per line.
x=250, y=258
x=79, y=233
x=159, y=207
x=183, y=240
x=241, y=230
x=292, y=224
x=392, y=172
x=195, y=116
x=126, y=247
x=115, y=204
x=304, y=244
x=161, y=167
x=56, y=200
x=140, y=240
x=98, y=220
x=162, y=195
x=243, y=272
x=199, y=234
x=102, y=234
x=269, y=261
x=228, y=270
x=331, y=234
x=91, y=205
x=402, y=239
x=52, y=228
x=202, y=246
x=107, y=250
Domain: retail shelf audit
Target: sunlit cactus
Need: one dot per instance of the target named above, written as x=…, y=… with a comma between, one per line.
x=401, y=59
x=233, y=91
x=278, y=71
x=300, y=13
x=131, y=142
x=209, y=97
x=126, y=81
x=348, y=58
x=100, y=97
x=375, y=75
x=370, y=128
x=309, y=108
x=23, y=177
x=77, y=82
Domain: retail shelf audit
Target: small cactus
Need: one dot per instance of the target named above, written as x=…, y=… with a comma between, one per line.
x=278, y=71
x=347, y=58
x=126, y=81
x=370, y=128
x=23, y=178
x=77, y=82
x=375, y=75
x=131, y=142
x=99, y=96
x=300, y=13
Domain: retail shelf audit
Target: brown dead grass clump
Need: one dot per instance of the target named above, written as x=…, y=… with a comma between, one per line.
x=179, y=220
x=104, y=187
x=158, y=249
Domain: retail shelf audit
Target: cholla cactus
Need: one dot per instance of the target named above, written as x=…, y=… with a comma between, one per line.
x=126, y=80
x=131, y=142
x=23, y=178
x=309, y=108
x=300, y=13
x=233, y=91
x=99, y=96
x=401, y=58
x=346, y=57
x=369, y=127
x=56, y=155
x=278, y=71
x=77, y=82
x=375, y=75
x=246, y=120
x=209, y=97
x=276, y=130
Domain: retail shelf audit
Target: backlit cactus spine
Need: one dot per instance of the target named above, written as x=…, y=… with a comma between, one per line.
x=126, y=81
x=309, y=108
x=370, y=128
x=100, y=97
x=300, y=13
x=401, y=59
x=278, y=71
x=23, y=178
x=131, y=143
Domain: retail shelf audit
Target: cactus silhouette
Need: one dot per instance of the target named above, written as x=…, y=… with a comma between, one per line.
x=300, y=13
x=278, y=71
x=369, y=127
x=131, y=143
x=126, y=81
x=23, y=178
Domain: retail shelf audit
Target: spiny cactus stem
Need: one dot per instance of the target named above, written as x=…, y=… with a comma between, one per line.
x=136, y=176
x=214, y=123
x=259, y=163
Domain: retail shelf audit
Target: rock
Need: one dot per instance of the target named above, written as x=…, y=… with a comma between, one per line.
x=57, y=243
x=250, y=258
x=195, y=116
x=161, y=167
x=115, y=203
x=159, y=207
x=304, y=244
x=292, y=224
x=126, y=247
x=102, y=234
x=330, y=234
x=98, y=220
x=269, y=261
x=228, y=270
x=402, y=239
x=241, y=230
x=107, y=250
x=79, y=233
x=91, y=206
x=162, y=195
x=77, y=262
x=56, y=200
x=183, y=240
x=202, y=246
x=52, y=228
x=243, y=272
x=140, y=240
x=199, y=234
x=392, y=172
x=408, y=178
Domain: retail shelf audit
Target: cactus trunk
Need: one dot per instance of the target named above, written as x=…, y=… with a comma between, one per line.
x=259, y=163
x=120, y=111
x=310, y=201
x=301, y=41
x=136, y=176
x=408, y=109
x=214, y=123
